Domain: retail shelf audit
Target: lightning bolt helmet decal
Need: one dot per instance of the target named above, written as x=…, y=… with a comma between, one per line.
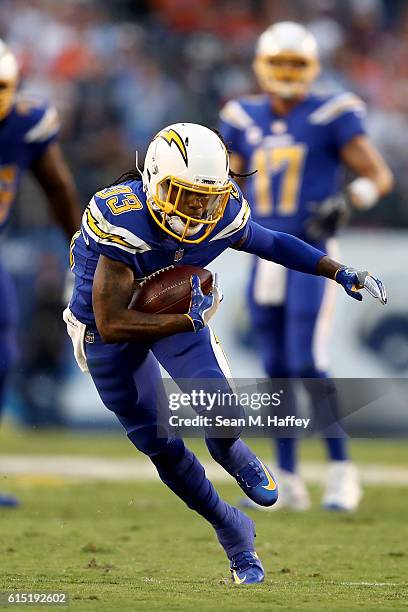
x=171, y=136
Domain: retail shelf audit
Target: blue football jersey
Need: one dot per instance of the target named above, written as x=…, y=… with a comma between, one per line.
x=25, y=133
x=297, y=157
x=118, y=224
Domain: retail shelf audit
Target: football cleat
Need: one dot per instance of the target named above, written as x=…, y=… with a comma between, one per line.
x=8, y=501
x=343, y=491
x=246, y=568
x=258, y=483
x=293, y=495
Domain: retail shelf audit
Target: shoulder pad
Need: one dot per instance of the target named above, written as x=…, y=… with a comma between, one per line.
x=335, y=106
x=110, y=219
x=41, y=119
x=234, y=114
x=236, y=216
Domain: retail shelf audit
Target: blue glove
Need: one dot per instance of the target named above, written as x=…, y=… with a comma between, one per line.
x=203, y=307
x=353, y=280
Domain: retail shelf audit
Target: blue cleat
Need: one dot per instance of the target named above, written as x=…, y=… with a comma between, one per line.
x=258, y=483
x=237, y=537
x=246, y=568
x=8, y=501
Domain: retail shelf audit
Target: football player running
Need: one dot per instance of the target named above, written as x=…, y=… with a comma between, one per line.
x=183, y=209
x=298, y=142
x=28, y=133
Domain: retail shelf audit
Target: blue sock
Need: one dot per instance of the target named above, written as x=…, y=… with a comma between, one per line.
x=8, y=354
x=328, y=415
x=231, y=454
x=3, y=378
x=286, y=449
x=337, y=449
x=182, y=472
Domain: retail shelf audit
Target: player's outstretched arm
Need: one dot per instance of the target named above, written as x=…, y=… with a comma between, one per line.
x=296, y=254
x=112, y=291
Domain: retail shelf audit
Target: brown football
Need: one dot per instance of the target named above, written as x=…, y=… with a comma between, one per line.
x=168, y=291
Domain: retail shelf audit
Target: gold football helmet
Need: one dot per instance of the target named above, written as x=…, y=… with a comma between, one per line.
x=8, y=79
x=286, y=60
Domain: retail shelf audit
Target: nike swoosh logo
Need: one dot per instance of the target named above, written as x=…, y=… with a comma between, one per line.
x=237, y=579
x=271, y=486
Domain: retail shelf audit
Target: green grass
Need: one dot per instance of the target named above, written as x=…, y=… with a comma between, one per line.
x=115, y=444
x=135, y=546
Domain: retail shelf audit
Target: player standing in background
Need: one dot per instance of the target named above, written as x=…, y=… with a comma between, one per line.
x=28, y=133
x=298, y=143
x=184, y=209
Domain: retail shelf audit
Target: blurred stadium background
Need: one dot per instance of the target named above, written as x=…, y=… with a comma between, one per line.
x=117, y=72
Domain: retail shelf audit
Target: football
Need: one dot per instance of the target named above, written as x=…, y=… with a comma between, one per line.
x=168, y=291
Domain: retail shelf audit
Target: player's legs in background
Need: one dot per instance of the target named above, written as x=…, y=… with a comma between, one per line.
x=8, y=348
x=197, y=362
x=267, y=309
x=310, y=306
x=128, y=380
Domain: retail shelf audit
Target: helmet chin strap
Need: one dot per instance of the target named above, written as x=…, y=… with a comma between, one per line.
x=178, y=226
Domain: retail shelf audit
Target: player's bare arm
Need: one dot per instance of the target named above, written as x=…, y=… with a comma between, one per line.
x=375, y=178
x=113, y=288
x=52, y=173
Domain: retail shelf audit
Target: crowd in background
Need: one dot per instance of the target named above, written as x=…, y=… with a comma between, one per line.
x=118, y=71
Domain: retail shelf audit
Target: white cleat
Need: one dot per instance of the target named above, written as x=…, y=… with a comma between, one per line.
x=293, y=494
x=343, y=491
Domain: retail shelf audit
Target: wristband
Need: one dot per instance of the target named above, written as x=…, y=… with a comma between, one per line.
x=363, y=193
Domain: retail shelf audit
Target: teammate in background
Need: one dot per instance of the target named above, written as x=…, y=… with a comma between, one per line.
x=28, y=132
x=183, y=210
x=298, y=142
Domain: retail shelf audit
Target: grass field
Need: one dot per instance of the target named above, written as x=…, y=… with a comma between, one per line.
x=134, y=546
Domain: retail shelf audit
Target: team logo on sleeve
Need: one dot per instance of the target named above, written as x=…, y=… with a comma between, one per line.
x=234, y=192
x=171, y=136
